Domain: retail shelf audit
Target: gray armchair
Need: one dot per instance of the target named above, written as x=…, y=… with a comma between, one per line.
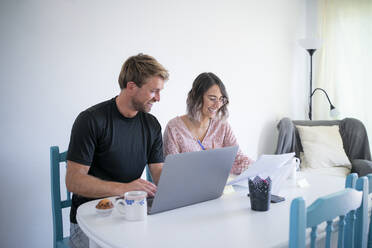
x=353, y=134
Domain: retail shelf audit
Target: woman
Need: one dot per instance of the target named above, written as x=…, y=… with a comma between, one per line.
x=204, y=125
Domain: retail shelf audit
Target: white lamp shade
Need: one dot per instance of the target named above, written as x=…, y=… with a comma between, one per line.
x=310, y=43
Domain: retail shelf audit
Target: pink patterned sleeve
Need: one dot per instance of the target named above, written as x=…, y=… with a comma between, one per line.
x=169, y=141
x=242, y=161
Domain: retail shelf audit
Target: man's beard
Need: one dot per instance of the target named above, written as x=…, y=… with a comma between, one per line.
x=139, y=106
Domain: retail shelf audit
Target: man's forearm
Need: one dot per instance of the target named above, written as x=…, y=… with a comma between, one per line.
x=78, y=181
x=90, y=186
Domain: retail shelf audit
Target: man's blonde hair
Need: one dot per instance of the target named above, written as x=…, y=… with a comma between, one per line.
x=139, y=68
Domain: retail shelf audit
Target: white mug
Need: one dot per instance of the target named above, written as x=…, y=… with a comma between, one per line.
x=133, y=206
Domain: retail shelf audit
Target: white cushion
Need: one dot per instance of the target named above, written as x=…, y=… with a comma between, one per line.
x=323, y=147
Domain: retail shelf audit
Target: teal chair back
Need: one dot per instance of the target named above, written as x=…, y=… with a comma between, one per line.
x=351, y=180
x=148, y=174
x=369, y=176
x=348, y=238
x=326, y=209
x=56, y=158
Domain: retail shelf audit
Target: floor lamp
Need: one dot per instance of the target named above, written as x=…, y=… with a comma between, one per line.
x=311, y=45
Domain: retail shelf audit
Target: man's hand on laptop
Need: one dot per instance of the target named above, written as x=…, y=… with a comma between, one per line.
x=143, y=185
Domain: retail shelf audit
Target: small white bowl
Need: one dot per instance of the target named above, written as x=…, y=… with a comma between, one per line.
x=104, y=212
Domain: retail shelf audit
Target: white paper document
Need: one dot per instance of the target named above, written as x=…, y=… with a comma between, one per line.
x=277, y=167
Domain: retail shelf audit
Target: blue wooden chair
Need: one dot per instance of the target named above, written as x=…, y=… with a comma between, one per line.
x=148, y=174
x=369, y=176
x=351, y=180
x=350, y=183
x=57, y=204
x=326, y=209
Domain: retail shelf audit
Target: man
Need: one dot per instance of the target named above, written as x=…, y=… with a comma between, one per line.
x=112, y=142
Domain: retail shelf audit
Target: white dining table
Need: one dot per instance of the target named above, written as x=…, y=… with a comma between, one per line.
x=227, y=221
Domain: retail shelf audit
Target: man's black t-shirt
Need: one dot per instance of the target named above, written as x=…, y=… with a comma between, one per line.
x=115, y=147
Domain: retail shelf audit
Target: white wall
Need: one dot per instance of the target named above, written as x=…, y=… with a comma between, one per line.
x=312, y=19
x=60, y=57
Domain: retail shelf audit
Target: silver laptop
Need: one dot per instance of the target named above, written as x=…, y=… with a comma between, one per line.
x=192, y=177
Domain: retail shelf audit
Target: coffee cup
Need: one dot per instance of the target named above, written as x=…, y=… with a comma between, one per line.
x=133, y=206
